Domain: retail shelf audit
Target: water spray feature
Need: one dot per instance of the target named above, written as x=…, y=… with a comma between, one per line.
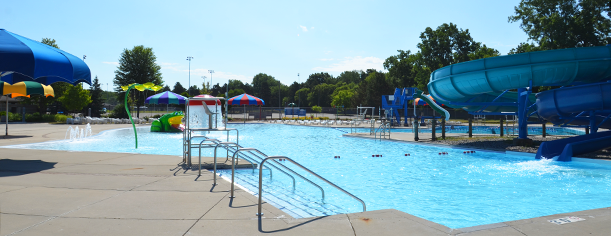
x=76, y=134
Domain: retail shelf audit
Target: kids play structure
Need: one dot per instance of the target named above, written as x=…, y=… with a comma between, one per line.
x=400, y=100
x=171, y=122
x=503, y=86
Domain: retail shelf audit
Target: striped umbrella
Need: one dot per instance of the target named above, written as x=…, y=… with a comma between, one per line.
x=245, y=99
x=24, y=88
x=166, y=97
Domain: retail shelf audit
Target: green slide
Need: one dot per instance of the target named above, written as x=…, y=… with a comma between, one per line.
x=427, y=99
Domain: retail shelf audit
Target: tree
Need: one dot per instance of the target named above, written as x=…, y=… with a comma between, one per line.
x=524, y=47
x=235, y=92
x=75, y=98
x=351, y=77
x=301, y=96
x=318, y=78
x=194, y=91
x=320, y=95
x=401, y=67
x=166, y=88
x=97, y=99
x=50, y=42
x=342, y=98
x=556, y=24
x=178, y=88
x=137, y=65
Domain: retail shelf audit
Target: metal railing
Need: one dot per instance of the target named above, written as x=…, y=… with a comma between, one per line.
x=259, y=213
x=237, y=150
x=383, y=130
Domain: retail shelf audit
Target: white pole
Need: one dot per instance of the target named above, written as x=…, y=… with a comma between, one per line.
x=6, y=116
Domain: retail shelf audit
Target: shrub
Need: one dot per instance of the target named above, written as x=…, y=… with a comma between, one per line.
x=119, y=111
x=12, y=116
x=59, y=118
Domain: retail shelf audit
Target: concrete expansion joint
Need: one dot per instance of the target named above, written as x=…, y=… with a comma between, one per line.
x=351, y=226
x=200, y=218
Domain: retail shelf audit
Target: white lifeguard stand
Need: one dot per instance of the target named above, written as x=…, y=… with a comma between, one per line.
x=203, y=114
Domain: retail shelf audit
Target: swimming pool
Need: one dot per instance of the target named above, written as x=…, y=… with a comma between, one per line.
x=457, y=190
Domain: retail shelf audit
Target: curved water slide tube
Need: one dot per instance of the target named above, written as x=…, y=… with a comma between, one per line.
x=485, y=84
x=591, y=103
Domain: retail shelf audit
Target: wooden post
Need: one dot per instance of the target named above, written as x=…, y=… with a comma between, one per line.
x=502, y=131
x=470, y=127
x=443, y=128
x=433, y=124
x=416, y=129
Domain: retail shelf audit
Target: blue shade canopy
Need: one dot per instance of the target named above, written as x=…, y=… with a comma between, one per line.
x=23, y=59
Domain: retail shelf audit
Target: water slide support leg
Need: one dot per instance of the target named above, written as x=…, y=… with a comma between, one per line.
x=443, y=128
x=593, y=126
x=433, y=123
x=470, y=127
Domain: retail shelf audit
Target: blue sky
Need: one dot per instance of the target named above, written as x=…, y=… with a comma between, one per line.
x=239, y=39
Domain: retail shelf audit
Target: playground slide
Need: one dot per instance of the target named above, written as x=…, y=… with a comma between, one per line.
x=433, y=104
x=564, y=149
x=485, y=79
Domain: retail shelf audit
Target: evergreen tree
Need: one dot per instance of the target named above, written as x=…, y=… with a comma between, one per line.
x=97, y=99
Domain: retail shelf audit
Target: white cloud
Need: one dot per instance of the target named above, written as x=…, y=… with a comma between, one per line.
x=111, y=63
x=353, y=63
x=312, y=27
x=305, y=29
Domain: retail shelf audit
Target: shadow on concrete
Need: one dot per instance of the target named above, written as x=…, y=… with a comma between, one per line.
x=10, y=167
x=15, y=136
x=288, y=228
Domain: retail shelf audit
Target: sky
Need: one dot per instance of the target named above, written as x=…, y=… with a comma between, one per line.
x=239, y=39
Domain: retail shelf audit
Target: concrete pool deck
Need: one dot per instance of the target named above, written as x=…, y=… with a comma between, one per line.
x=91, y=193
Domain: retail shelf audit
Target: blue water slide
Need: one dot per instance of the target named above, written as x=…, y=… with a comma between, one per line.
x=591, y=103
x=564, y=149
x=486, y=84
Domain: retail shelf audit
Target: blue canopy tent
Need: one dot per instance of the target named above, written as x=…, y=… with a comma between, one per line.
x=24, y=59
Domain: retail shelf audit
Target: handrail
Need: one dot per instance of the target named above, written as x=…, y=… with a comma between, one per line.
x=306, y=169
x=200, y=155
x=260, y=171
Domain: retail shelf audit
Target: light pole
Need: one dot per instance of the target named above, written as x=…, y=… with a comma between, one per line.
x=211, y=72
x=189, y=89
x=204, y=78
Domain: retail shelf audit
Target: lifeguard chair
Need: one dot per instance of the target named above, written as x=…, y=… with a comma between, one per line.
x=203, y=114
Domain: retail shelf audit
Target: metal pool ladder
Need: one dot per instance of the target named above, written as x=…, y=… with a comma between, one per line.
x=256, y=154
x=259, y=213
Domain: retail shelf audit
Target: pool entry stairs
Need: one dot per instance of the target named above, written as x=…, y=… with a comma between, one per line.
x=269, y=164
x=504, y=85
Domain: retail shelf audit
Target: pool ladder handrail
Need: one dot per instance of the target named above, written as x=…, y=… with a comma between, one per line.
x=250, y=150
x=228, y=146
x=307, y=170
x=383, y=129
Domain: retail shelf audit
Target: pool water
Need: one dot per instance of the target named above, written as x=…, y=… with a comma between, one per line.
x=456, y=190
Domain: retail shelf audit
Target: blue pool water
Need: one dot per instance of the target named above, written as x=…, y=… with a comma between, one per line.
x=457, y=190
